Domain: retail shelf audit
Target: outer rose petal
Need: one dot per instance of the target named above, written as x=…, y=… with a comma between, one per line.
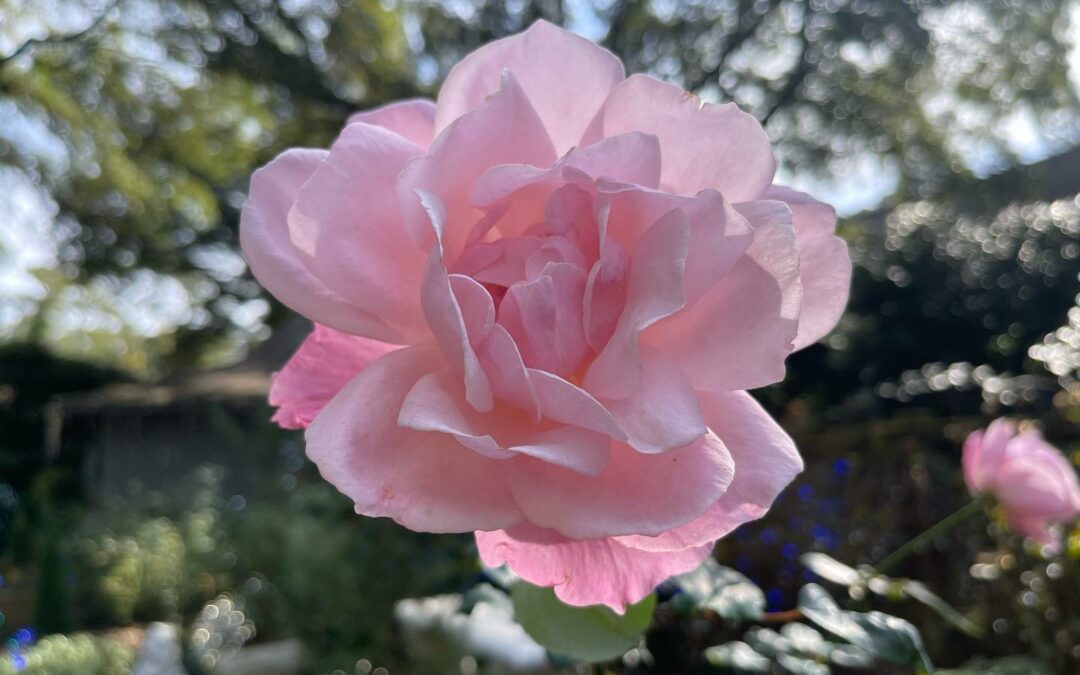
x=566, y=77
x=427, y=482
x=633, y=495
x=704, y=145
x=984, y=453
x=275, y=260
x=766, y=461
x=346, y=219
x=824, y=264
x=319, y=369
x=584, y=572
x=738, y=334
x=412, y=119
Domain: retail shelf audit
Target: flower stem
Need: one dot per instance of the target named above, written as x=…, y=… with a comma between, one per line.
x=950, y=521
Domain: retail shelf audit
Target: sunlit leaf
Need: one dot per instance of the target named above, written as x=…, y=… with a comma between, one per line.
x=739, y=657
x=723, y=590
x=594, y=633
x=886, y=637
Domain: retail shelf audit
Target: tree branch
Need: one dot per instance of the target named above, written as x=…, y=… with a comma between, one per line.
x=61, y=39
x=733, y=42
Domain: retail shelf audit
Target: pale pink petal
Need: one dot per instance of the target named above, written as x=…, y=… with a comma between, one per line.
x=412, y=119
x=324, y=363
x=565, y=402
x=501, y=262
x=566, y=77
x=663, y=413
x=719, y=234
x=427, y=482
x=766, y=461
x=1038, y=483
x=437, y=403
x=824, y=264
x=635, y=494
x=444, y=316
x=654, y=291
x=276, y=262
x=704, y=145
x=584, y=572
x=544, y=316
x=502, y=130
x=739, y=333
x=506, y=371
x=990, y=455
x=972, y=461
x=347, y=220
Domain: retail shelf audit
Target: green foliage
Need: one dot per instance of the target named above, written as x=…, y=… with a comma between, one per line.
x=594, y=633
x=885, y=637
x=722, y=590
x=78, y=654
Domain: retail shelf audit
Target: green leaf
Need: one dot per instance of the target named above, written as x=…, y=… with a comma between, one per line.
x=830, y=569
x=594, y=633
x=723, y=590
x=737, y=656
x=886, y=637
x=797, y=665
x=806, y=640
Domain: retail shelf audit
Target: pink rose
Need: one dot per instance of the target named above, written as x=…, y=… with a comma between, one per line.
x=1034, y=483
x=586, y=272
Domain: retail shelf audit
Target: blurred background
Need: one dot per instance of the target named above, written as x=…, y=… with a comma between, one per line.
x=140, y=479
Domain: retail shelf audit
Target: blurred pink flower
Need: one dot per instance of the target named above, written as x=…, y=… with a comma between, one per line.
x=586, y=272
x=1034, y=483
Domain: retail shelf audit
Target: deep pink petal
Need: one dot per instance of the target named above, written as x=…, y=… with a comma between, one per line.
x=320, y=368
x=739, y=333
x=824, y=264
x=412, y=119
x=566, y=77
x=277, y=263
x=704, y=145
x=584, y=572
x=633, y=495
x=427, y=482
x=766, y=461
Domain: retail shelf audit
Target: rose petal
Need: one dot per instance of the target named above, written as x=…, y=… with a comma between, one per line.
x=425, y=481
x=739, y=333
x=566, y=77
x=654, y=291
x=633, y=495
x=584, y=572
x=824, y=264
x=664, y=412
x=320, y=368
x=704, y=145
x=502, y=130
x=347, y=220
x=279, y=266
x=766, y=461
x=412, y=119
